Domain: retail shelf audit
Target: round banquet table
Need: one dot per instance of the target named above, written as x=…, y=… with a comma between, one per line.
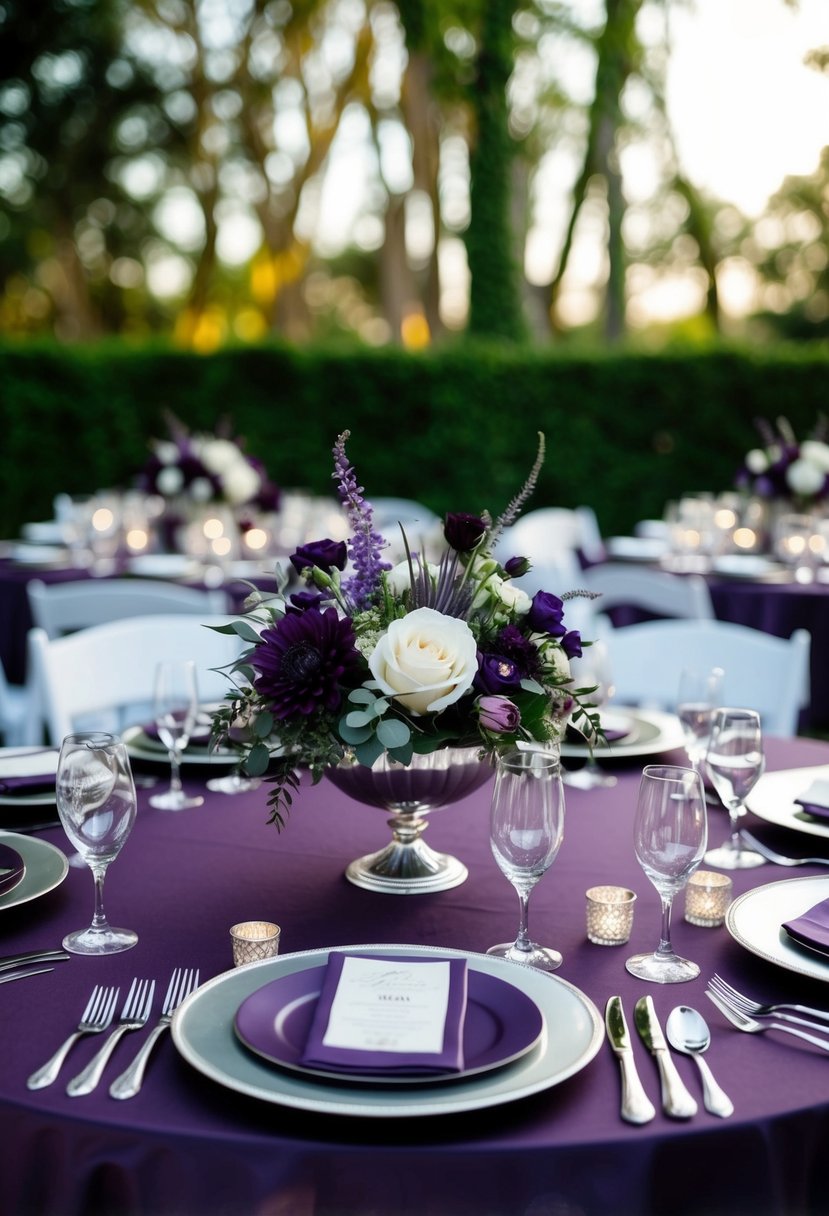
x=187, y=1144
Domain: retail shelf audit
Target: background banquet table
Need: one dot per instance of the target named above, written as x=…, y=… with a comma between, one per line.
x=187, y=1144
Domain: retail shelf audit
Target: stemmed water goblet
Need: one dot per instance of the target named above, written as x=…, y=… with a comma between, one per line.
x=176, y=710
x=95, y=797
x=526, y=831
x=697, y=701
x=735, y=762
x=593, y=668
x=669, y=839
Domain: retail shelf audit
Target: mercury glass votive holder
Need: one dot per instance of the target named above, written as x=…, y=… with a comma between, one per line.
x=609, y=915
x=254, y=940
x=707, y=897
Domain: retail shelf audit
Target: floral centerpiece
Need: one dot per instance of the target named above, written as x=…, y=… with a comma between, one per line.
x=785, y=469
x=430, y=654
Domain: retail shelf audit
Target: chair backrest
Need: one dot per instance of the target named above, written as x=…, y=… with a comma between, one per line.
x=654, y=591
x=61, y=608
x=761, y=672
x=103, y=677
x=18, y=721
x=389, y=512
x=542, y=534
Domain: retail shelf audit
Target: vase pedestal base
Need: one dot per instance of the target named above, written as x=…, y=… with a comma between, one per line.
x=407, y=869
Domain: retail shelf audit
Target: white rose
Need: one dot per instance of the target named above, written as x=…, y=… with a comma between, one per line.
x=816, y=453
x=425, y=660
x=804, y=478
x=241, y=482
x=505, y=593
x=169, y=480
x=399, y=579
x=219, y=455
x=757, y=461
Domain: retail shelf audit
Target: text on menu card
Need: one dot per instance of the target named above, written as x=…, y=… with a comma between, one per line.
x=389, y=1006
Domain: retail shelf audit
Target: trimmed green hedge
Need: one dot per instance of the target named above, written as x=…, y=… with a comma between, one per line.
x=456, y=428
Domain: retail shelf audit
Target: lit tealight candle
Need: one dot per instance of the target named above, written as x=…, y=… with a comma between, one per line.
x=254, y=940
x=707, y=897
x=609, y=915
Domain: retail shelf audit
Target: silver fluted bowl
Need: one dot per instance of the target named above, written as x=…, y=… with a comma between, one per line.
x=407, y=865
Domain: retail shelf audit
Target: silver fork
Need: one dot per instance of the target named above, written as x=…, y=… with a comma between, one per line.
x=95, y=1019
x=780, y=859
x=743, y=1022
x=182, y=983
x=134, y=1015
x=758, y=1009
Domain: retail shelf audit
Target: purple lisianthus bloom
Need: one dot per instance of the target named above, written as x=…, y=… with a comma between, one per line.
x=571, y=644
x=498, y=714
x=516, y=566
x=327, y=554
x=496, y=674
x=463, y=532
x=302, y=661
x=546, y=614
x=301, y=600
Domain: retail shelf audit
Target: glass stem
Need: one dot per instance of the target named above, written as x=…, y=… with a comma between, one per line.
x=665, y=946
x=734, y=817
x=175, y=772
x=99, y=920
x=522, y=941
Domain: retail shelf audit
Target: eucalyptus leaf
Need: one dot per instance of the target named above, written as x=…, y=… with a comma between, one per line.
x=402, y=754
x=257, y=760
x=393, y=733
x=358, y=718
x=263, y=724
x=531, y=686
x=361, y=696
x=246, y=631
x=369, y=751
x=354, y=735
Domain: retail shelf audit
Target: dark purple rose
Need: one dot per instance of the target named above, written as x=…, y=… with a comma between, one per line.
x=327, y=554
x=571, y=644
x=498, y=714
x=497, y=673
x=516, y=566
x=302, y=662
x=546, y=613
x=512, y=643
x=463, y=532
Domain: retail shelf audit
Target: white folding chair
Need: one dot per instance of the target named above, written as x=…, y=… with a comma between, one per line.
x=18, y=725
x=102, y=678
x=761, y=672
x=61, y=608
x=547, y=532
x=655, y=591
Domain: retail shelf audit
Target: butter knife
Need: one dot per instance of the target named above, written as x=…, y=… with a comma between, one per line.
x=676, y=1100
x=636, y=1105
x=34, y=956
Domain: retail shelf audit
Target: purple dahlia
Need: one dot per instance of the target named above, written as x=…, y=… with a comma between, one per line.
x=302, y=661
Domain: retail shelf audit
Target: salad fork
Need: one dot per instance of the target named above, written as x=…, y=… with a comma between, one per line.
x=182, y=983
x=743, y=1022
x=780, y=859
x=94, y=1020
x=756, y=1008
x=134, y=1015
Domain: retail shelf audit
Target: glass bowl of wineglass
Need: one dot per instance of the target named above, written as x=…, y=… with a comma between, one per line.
x=95, y=796
x=176, y=710
x=697, y=700
x=670, y=834
x=592, y=669
x=735, y=762
x=526, y=831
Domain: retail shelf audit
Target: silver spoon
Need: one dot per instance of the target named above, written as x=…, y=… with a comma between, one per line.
x=688, y=1032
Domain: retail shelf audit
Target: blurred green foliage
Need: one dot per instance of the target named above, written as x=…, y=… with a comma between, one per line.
x=455, y=428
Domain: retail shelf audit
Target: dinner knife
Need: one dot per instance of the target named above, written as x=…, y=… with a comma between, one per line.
x=676, y=1100
x=636, y=1105
x=22, y=975
x=34, y=956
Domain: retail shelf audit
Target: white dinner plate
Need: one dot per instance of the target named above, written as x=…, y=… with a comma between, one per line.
x=141, y=747
x=163, y=565
x=13, y=763
x=203, y=1033
x=755, y=919
x=636, y=548
x=773, y=799
x=748, y=565
x=46, y=868
x=650, y=733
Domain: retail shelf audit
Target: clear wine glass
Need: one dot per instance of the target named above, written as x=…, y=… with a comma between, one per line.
x=593, y=668
x=176, y=710
x=526, y=831
x=735, y=762
x=697, y=699
x=669, y=836
x=95, y=797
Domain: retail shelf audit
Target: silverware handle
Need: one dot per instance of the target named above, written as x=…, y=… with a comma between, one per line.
x=636, y=1105
x=129, y=1082
x=715, y=1100
x=821, y=1015
x=34, y=956
x=46, y=1075
x=22, y=975
x=801, y=1034
x=88, y=1078
x=676, y=1100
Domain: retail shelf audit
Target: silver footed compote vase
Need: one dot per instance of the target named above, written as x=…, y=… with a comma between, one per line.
x=408, y=865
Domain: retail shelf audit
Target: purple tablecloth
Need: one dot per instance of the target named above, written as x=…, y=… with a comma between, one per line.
x=188, y=1145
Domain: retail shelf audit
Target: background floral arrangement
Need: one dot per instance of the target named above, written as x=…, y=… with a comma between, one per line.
x=786, y=468
x=202, y=469
x=400, y=660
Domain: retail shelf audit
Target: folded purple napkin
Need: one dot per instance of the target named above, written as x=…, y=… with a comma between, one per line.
x=389, y=1014
x=28, y=773
x=812, y=928
x=12, y=868
x=815, y=800
x=31, y=783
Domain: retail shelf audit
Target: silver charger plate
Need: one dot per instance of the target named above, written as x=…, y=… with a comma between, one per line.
x=651, y=732
x=141, y=747
x=773, y=799
x=755, y=918
x=203, y=1033
x=46, y=868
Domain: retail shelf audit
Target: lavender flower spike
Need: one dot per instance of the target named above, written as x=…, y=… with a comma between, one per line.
x=365, y=545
